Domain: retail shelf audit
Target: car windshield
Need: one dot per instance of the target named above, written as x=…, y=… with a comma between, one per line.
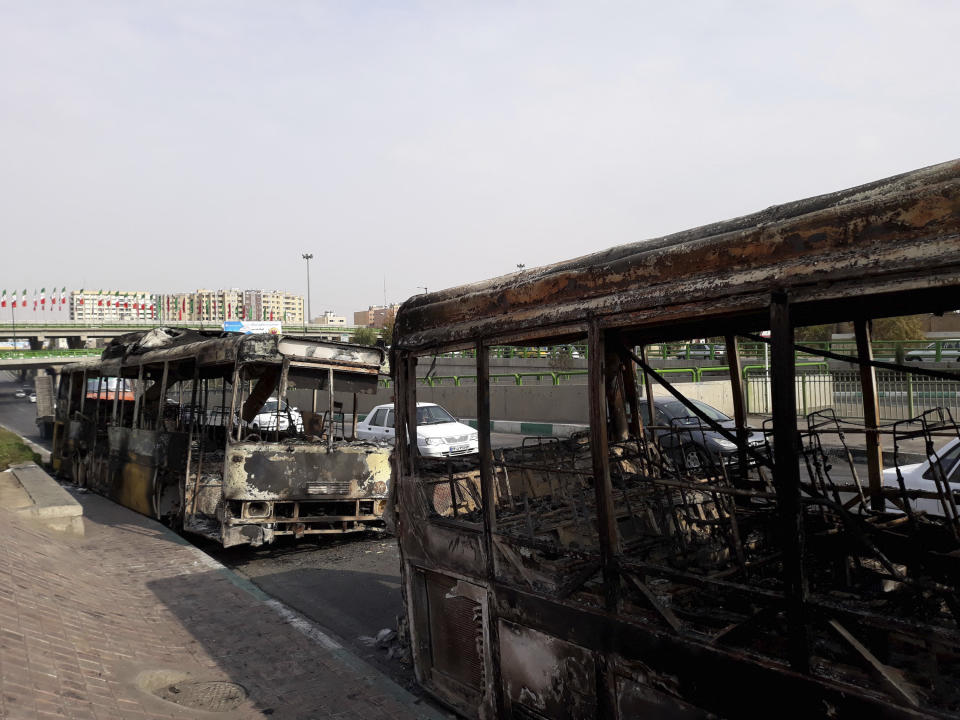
x=270, y=406
x=433, y=415
x=677, y=411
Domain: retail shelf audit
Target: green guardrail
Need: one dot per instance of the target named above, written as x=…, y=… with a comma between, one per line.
x=35, y=354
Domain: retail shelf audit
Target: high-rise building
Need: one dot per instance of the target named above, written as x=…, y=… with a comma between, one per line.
x=206, y=306
x=108, y=306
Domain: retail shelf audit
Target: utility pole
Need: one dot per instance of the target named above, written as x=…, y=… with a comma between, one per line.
x=308, y=257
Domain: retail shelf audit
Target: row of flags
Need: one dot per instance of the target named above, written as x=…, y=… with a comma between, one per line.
x=38, y=302
x=174, y=310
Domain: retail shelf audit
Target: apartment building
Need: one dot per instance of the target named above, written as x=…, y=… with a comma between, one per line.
x=110, y=306
x=376, y=316
x=329, y=318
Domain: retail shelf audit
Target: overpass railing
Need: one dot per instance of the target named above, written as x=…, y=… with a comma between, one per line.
x=40, y=354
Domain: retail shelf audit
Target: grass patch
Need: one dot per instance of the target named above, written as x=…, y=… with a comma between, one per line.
x=13, y=450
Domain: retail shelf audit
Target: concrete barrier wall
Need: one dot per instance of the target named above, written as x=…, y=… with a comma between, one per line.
x=535, y=403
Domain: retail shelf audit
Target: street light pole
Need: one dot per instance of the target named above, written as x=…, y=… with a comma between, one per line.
x=308, y=257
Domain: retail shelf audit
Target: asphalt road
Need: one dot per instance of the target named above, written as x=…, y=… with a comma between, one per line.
x=18, y=414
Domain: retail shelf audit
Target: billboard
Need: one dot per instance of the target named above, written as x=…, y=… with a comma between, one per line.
x=252, y=326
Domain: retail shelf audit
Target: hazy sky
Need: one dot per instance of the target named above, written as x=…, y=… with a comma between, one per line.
x=169, y=145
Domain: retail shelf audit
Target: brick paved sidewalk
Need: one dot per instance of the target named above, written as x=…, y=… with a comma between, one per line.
x=89, y=626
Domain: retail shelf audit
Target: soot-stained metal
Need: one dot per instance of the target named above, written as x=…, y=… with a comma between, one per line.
x=621, y=573
x=211, y=432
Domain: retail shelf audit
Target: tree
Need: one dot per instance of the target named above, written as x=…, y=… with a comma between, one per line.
x=904, y=327
x=365, y=336
x=387, y=332
x=815, y=333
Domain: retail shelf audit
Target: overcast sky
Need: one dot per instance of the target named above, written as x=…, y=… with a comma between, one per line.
x=168, y=145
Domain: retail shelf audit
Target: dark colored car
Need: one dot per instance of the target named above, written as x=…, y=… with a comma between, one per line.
x=690, y=442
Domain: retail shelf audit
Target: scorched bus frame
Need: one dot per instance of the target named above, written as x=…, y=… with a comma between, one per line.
x=599, y=578
x=193, y=446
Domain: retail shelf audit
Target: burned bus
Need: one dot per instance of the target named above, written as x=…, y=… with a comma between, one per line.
x=597, y=575
x=211, y=433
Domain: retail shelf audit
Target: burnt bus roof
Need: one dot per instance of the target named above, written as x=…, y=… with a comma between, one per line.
x=895, y=241
x=164, y=344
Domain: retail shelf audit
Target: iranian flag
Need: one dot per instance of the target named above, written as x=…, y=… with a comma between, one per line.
x=63, y=295
x=80, y=301
x=43, y=298
x=23, y=302
x=3, y=300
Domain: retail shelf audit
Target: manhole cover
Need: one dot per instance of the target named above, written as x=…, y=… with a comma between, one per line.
x=210, y=695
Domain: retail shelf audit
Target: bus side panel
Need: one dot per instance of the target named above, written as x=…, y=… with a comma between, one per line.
x=140, y=460
x=259, y=471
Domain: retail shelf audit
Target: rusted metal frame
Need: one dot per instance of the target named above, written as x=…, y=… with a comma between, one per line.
x=194, y=425
x=724, y=503
x=871, y=413
x=726, y=682
x=96, y=408
x=71, y=375
x=330, y=399
x=814, y=427
x=353, y=424
x=223, y=403
x=532, y=336
x=616, y=406
x=739, y=407
x=489, y=501
x=787, y=479
x=647, y=385
x=202, y=435
x=890, y=678
x=777, y=598
x=83, y=393
x=858, y=360
x=234, y=382
x=942, y=485
x=163, y=394
x=629, y=380
x=603, y=488
x=138, y=399
x=116, y=399
x=409, y=400
x=704, y=418
x=653, y=601
x=398, y=370
x=281, y=392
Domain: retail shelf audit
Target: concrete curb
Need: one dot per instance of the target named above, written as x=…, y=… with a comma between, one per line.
x=525, y=427
x=52, y=505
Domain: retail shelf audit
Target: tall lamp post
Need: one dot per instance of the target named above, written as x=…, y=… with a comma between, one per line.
x=308, y=257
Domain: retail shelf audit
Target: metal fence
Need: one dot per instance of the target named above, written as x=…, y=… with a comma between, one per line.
x=901, y=395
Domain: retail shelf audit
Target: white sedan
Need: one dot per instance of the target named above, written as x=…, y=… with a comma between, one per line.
x=920, y=476
x=439, y=434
